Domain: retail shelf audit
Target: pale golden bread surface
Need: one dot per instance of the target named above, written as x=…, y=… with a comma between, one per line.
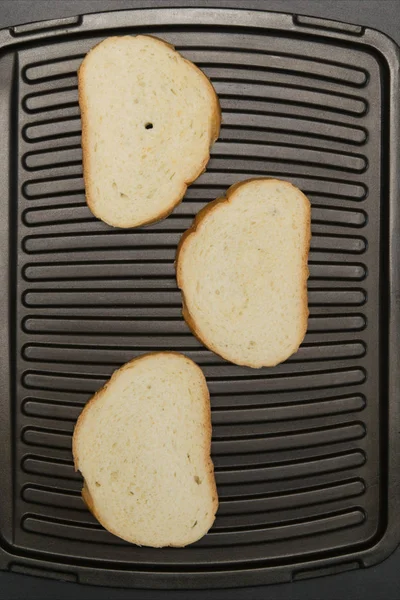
x=142, y=444
x=242, y=269
x=149, y=117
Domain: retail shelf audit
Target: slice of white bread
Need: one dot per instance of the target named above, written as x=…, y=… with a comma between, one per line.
x=242, y=269
x=149, y=117
x=142, y=444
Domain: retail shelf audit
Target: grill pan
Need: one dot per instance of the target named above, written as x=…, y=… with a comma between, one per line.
x=306, y=453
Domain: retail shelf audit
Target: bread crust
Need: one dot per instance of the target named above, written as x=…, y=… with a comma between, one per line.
x=193, y=230
x=214, y=133
x=86, y=493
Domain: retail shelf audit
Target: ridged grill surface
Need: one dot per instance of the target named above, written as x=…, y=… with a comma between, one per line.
x=296, y=447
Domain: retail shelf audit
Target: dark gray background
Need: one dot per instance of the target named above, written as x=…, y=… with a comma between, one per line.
x=377, y=583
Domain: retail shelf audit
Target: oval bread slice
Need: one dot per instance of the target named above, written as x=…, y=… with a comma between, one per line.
x=242, y=269
x=142, y=444
x=149, y=117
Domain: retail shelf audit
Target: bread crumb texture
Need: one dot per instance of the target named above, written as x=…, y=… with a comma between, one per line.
x=149, y=117
x=242, y=269
x=142, y=444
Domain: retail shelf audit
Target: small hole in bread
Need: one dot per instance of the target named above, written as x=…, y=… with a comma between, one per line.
x=98, y=484
x=197, y=479
x=149, y=126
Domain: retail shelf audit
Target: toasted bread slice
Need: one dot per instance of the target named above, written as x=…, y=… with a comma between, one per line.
x=242, y=269
x=149, y=117
x=142, y=444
